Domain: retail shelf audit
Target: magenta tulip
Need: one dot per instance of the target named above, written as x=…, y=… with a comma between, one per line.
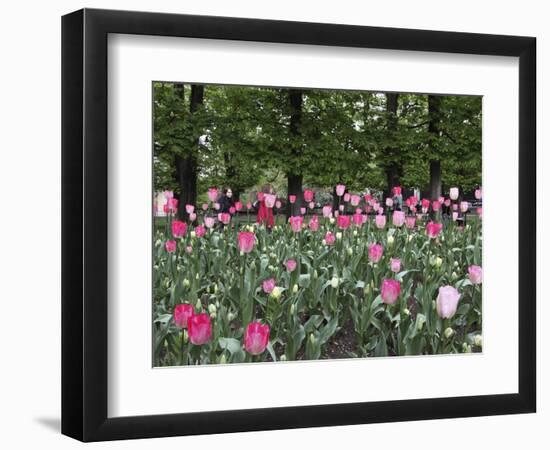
x=182, y=313
x=447, y=302
x=343, y=222
x=246, y=241
x=170, y=246
x=256, y=338
x=396, y=190
x=308, y=195
x=168, y=195
x=199, y=328
x=291, y=265
x=179, y=228
x=200, y=231
x=340, y=189
x=375, y=252
x=248, y=205
x=390, y=290
x=475, y=274
x=433, y=229
x=224, y=218
x=357, y=219
x=296, y=223
x=268, y=285
x=238, y=206
x=436, y=205
x=292, y=199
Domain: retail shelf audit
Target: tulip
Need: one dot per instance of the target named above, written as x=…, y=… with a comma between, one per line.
x=327, y=211
x=398, y=218
x=395, y=265
x=410, y=222
x=314, y=223
x=433, y=229
x=291, y=265
x=292, y=199
x=308, y=195
x=182, y=313
x=212, y=194
x=354, y=200
x=464, y=206
x=216, y=206
x=479, y=212
x=256, y=338
x=268, y=285
x=396, y=190
x=478, y=194
x=248, y=205
x=380, y=221
x=390, y=290
x=357, y=219
x=276, y=293
x=343, y=222
x=455, y=216
x=340, y=189
x=200, y=328
x=367, y=198
x=341, y=208
x=209, y=222
x=278, y=204
x=173, y=204
x=168, y=195
x=238, y=206
x=338, y=236
x=246, y=241
x=478, y=340
x=413, y=200
x=330, y=238
x=200, y=231
x=302, y=211
x=475, y=274
x=453, y=193
x=425, y=203
x=192, y=217
x=375, y=252
x=232, y=210
x=389, y=202
x=189, y=249
x=179, y=228
x=448, y=333
x=224, y=218
x=347, y=197
x=270, y=200
x=447, y=302
x=334, y=282
x=296, y=223
x=170, y=246
x=436, y=204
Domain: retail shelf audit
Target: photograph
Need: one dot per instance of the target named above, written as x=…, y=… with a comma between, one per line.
x=311, y=224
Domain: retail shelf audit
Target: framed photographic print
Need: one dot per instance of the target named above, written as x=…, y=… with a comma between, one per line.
x=273, y=224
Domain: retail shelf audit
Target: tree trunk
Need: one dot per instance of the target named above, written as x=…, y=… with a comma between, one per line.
x=434, y=102
x=186, y=166
x=295, y=180
x=393, y=168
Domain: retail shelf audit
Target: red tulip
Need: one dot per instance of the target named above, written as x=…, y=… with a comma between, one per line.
x=343, y=222
x=375, y=252
x=179, y=228
x=397, y=190
x=182, y=313
x=308, y=195
x=199, y=328
x=433, y=229
x=296, y=223
x=390, y=291
x=425, y=203
x=246, y=241
x=256, y=338
x=170, y=246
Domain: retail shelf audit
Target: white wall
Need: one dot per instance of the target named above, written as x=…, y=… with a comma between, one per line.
x=30, y=244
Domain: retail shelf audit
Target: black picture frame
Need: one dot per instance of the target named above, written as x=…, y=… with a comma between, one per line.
x=84, y=224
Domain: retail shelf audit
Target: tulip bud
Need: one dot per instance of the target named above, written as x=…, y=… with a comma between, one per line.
x=312, y=339
x=212, y=308
x=158, y=242
x=315, y=275
x=186, y=283
x=420, y=323
x=339, y=236
x=295, y=289
x=391, y=239
x=455, y=264
x=355, y=232
x=185, y=337
x=223, y=359
x=334, y=282
x=197, y=276
x=448, y=332
x=273, y=256
x=350, y=251
x=454, y=276
x=367, y=288
x=410, y=238
x=241, y=271
x=230, y=316
x=213, y=315
x=406, y=312
x=331, y=220
x=478, y=340
x=282, y=358
x=324, y=242
x=198, y=305
x=241, y=253
x=276, y=292
x=215, y=289
x=193, y=235
x=466, y=348
x=438, y=262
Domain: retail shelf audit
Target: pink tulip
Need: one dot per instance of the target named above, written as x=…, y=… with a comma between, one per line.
x=270, y=200
x=441, y=200
x=232, y=210
x=308, y=195
x=390, y=290
x=246, y=241
x=478, y=194
x=212, y=194
x=367, y=198
x=268, y=285
x=455, y=216
x=204, y=206
x=425, y=203
x=248, y=205
x=189, y=249
x=365, y=218
x=354, y=200
x=357, y=219
x=347, y=197
x=330, y=238
x=389, y=202
x=224, y=218
x=190, y=209
x=168, y=195
x=314, y=223
x=436, y=205
x=395, y=265
x=192, y=217
x=238, y=206
x=256, y=338
x=209, y=222
x=380, y=221
x=302, y=211
x=375, y=252
x=453, y=193
x=447, y=302
x=170, y=246
x=216, y=206
x=343, y=222
x=296, y=223
x=475, y=274
x=464, y=206
x=397, y=190
x=447, y=202
x=327, y=211
x=433, y=229
x=341, y=208
x=479, y=211
x=380, y=210
x=413, y=200
x=311, y=205
x=179, y=228
x=340, y=189
x=278, y=204
x=199, y=328
x=398, y=218
x=182, y=313
x=292, y=199
x=200, y=231
x=358, y=211
x=413, y=209
x=291, y=265
x=173, y=204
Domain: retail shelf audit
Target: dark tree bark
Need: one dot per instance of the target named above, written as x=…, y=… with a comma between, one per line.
x=434, y=104
x=394, y=170
x=294, y=178
x=186, y=166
